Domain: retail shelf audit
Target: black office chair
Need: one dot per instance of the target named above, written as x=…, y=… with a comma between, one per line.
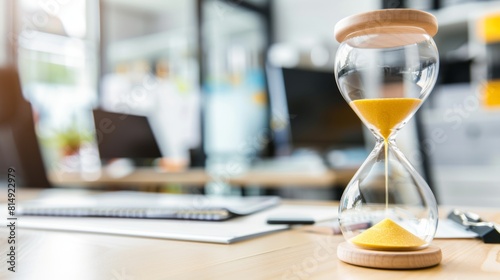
x=19, y=146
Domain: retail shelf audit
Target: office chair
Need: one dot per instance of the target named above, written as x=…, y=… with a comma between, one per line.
x=19, y=147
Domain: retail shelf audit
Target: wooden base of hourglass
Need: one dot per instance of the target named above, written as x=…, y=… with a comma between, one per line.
x=430, y=256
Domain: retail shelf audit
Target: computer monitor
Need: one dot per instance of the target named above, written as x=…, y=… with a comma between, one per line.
x=318, y=116
x=122, y=135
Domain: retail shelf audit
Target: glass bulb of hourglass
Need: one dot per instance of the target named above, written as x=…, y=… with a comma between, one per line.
x=385, y=77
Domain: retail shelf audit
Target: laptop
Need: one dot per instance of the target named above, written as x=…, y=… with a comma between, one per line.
x=122, y=135
x=132, y=204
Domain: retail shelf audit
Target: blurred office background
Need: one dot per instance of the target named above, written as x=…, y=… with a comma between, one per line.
x=234, y=85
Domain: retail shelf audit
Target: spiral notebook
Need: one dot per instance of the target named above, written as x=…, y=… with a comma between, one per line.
x=129, y=204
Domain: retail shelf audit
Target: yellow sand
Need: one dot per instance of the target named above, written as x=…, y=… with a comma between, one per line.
x=385, y=113
x=387, y=235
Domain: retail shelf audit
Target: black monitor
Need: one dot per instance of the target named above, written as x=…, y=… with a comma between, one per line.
x=122, y=135
x=319, y=117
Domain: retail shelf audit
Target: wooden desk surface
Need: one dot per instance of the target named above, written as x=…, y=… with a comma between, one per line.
x=293, y=254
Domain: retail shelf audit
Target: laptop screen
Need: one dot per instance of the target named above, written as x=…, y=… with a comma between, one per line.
x=124, y=136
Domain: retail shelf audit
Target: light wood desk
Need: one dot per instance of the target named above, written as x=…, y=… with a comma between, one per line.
x=293, y=254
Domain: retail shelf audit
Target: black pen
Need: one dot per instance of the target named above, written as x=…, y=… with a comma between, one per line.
x=290, y=220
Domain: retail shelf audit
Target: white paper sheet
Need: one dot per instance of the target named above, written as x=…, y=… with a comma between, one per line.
x=217, y=232
x=449, y=229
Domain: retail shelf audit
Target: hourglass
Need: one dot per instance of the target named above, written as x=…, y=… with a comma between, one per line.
x=385, y=67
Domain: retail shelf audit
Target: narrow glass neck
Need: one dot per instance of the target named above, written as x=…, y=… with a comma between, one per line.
x=391, y=141
x=381, y=140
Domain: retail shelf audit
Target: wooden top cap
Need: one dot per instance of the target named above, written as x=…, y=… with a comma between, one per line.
x=376, y=22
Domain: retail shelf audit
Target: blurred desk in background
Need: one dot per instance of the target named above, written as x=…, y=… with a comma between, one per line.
x=326, y=179
x=138, y=177
x=199, y=177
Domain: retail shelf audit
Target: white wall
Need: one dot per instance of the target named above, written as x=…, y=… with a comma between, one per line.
x=303, y=27
x=303, y=21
